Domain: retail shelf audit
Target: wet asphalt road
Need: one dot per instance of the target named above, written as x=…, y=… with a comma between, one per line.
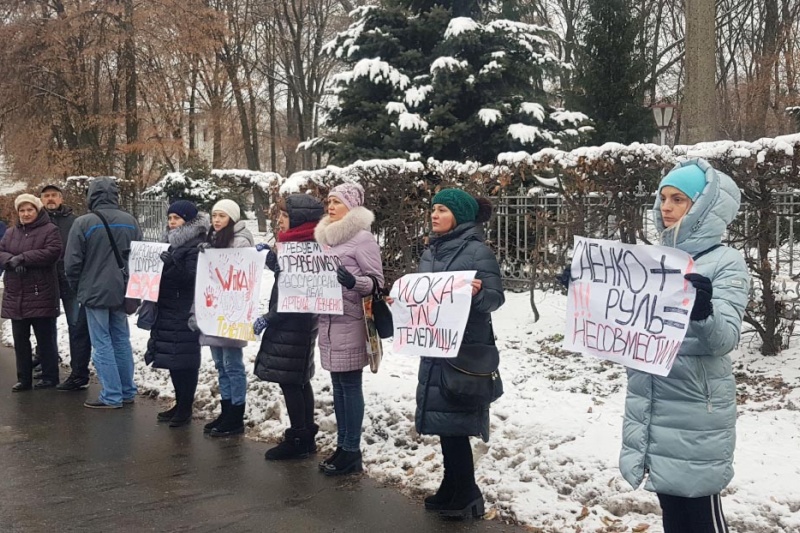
x=67, y=468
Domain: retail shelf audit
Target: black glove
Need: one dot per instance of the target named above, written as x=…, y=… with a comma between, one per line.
x=166, y=256
x=20, y=269
x=565, y=277
x=344, y=277
x=272, y=261
x=14, y=262
x=203, y=246
x=702, y=301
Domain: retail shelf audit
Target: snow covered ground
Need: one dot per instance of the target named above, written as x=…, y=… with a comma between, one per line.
x=551, y=462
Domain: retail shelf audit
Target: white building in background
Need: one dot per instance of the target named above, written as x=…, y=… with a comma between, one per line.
x=7, y=184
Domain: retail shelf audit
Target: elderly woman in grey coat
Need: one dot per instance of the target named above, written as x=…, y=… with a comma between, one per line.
x=679, y=430
x=345, y=233
x=227, y=231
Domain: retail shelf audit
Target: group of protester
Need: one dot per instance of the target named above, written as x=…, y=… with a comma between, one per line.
x=678, y=430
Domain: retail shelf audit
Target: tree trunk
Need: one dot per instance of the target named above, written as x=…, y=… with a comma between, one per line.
x=131, y=98
x=699, y=102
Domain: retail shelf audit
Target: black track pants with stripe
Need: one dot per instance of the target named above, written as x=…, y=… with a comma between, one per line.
x=692, y=515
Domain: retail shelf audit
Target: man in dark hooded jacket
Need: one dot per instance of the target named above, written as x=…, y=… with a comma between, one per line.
x=80, y=345
x=92, y=271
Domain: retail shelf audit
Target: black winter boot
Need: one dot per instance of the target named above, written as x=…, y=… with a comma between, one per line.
x=185, y=394
x=466, y=499
x=437, y=502
x=233, y=424
x=310, y=439
x=293, y=446
x=226, y=406
x=165, y=416
x=345, y=463
x=331, y=458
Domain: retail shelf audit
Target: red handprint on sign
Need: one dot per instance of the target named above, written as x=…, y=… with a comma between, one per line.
x=211, y=297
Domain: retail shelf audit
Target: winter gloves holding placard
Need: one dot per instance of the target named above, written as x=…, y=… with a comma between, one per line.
x=344, y=277
x=272, y=257
x=260, y=325
x=166, y=256
x=565, y=277
x=702, y=301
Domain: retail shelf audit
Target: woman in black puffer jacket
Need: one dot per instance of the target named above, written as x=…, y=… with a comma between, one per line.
x=458, y=244
x=287, y=348
x=173, y=345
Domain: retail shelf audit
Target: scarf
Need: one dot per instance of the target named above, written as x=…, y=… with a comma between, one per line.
x=302, y=233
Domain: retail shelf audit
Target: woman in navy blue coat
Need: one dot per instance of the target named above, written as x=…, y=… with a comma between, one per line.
x=173, y=345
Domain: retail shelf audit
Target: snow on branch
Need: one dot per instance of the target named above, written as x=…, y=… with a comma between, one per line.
x=411, y=121
x=377, y=71
x=447, y=63
x=489, y=116
x=460, y=25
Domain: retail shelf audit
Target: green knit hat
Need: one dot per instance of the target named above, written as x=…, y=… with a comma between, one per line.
x=462, y=204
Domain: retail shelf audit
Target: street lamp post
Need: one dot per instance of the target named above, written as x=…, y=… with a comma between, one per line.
x=663, y=114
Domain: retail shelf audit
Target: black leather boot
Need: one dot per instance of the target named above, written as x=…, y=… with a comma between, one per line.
x=232, y=424
x=345, y=463
x=226, y=406
x=331, y=458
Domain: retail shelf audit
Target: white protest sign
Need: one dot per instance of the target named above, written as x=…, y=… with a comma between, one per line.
x=144, y=268
x=629, y=303
x=227, y=291
x=307, y=282
x=430, y=312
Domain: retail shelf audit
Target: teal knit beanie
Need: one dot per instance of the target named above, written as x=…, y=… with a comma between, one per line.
x=463, y=206
x=690, y=180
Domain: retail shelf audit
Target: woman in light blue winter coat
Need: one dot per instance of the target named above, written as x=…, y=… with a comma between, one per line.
x=679, y=430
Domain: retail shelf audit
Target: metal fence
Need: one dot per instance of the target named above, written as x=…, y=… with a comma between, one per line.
x=151, y=212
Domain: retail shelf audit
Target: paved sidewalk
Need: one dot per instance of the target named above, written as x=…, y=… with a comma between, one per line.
x=67, y=468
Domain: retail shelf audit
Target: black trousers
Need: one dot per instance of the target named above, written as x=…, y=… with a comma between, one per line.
x=80, y=345
x=44, y=329
x=692, y=515
x=458, y=463
x=185, y=384
x=299, y=404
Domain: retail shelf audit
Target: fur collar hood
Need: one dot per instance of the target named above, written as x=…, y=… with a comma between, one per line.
x=198, y=227
x=335, y=233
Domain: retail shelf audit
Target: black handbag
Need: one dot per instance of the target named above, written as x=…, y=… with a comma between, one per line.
x=130, y=305
x=472, y=378
x=381, y=313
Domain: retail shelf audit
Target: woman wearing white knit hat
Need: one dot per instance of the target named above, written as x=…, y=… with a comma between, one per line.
x=29, y=252
x=228, y=231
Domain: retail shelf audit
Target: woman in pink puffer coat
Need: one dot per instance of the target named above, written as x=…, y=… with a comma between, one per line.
x=345, y=232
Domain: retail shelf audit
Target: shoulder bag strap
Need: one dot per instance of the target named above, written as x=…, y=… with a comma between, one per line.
x=706, y=251
x=120, y=263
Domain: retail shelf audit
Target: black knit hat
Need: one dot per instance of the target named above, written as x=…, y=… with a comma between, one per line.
x=184, y=209
x=303, y=208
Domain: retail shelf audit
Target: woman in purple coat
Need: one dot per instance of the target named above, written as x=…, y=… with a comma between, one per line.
x=29, y=252
x=344, y=232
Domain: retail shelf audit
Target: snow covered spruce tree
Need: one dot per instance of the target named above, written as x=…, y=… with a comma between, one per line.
x=611, y=74
x=422, y=83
